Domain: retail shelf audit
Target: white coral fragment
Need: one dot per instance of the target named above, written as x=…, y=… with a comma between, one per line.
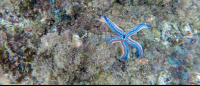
x=76, y=40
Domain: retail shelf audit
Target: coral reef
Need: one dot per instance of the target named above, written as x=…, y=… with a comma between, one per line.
x=59, y=42
x=17, y=55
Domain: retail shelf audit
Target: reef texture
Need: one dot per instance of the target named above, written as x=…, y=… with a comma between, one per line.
x=64, y=42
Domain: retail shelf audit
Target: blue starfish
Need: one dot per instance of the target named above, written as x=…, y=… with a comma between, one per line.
x=125, y=38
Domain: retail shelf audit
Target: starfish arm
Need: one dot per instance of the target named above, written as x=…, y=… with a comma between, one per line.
x=114, y=40
x=135, y=30
x=114, y=27
x=124, y=46
x=125, y=50
x=136, y=45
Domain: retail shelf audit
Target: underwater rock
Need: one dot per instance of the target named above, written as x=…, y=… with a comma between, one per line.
x=49, y=41
x=156, y=32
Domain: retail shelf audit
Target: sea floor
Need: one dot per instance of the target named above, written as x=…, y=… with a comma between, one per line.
x=64, y=42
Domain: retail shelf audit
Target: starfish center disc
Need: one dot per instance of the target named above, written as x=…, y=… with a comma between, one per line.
x=123, y=36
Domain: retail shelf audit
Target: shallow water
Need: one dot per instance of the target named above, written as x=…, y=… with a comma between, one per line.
x=66, y=42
